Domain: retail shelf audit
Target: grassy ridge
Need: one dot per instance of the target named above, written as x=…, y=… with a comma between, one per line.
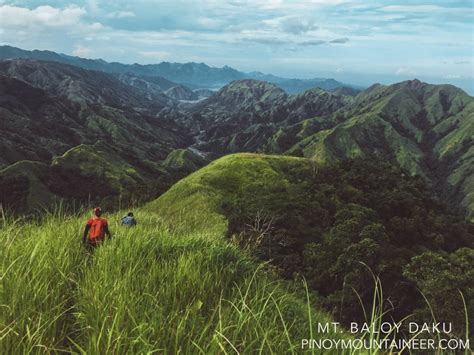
x=323, y=221
x=174, y=284
x=149, y=289
x=194, y=201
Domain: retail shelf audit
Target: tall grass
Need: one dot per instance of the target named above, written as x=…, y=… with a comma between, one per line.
x=41, y=264
x=149, y=289
x=155, y=288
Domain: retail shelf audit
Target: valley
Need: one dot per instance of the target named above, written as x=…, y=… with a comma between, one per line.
x=141, y=123
x=265, y=206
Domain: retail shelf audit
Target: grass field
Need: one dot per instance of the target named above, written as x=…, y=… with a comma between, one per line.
x=149, y=289
x=174, y=284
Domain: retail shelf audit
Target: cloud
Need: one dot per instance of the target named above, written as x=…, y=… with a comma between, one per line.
x=411, y=8
x=314, y=42
x=320, y=42
x=295, y=5
x=47, y=27
x=265, y=40
x=81, y=51
x=93, y=6
x=208, y=22
x=42, y=16
x=120, y=14
x=372, y=38
x=291, y=24
x=452, y=76
x=404, y=71
x=288, y=41
x=340, y=40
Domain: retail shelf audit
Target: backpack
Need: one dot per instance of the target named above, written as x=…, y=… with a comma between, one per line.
x=128, y=221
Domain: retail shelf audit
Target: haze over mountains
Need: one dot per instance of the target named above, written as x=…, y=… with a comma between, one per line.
x=193, y=75
x=135, y=128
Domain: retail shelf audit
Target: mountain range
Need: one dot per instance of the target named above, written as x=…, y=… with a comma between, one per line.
x=63, y=125
x=240, y=193
x=193, y=75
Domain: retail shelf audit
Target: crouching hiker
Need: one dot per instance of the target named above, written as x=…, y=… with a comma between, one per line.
x=96, y=229
x=129, y=220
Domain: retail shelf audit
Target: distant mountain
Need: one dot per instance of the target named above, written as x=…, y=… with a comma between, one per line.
x=247, y=114
x=192, y=75
x=37, y=125
x=294, y=86
x=164, y=130
x=80, y=85
x=109, y=135
x=181, y=93
x=147, y=84
x=204, y=93
x=426, y=129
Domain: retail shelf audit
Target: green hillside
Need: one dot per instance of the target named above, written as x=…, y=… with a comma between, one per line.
x=426, y=129
x=321, y=221
x=180, y=281
x=149, y=289
x=86, y=174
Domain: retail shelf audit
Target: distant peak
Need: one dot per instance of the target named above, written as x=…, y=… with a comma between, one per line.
x=252, y=82
x=414, y=83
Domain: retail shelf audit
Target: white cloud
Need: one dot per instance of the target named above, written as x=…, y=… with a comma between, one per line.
x=120, y=14
x=47, y=27
x=42, y=16
x=291, y=24
x=403, y=71
x=426, y=9
x=411, y=8
x=81, y=51
x=208, y=22
x=93, y=6
x=459, y=77
x=290, y=5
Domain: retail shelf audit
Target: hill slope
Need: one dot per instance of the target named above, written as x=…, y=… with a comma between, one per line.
x=322, y=221
x=47, y=109
x=427, y=129
x=247, y=115
x=184, y=288
x=148, y=290
x=80, y=85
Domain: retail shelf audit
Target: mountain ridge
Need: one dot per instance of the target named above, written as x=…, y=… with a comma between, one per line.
x=194, y=75
x=426, y=129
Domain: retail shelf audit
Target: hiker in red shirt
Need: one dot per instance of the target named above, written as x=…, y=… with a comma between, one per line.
x=96, y=229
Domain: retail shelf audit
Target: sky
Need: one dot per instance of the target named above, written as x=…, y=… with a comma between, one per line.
x=358, y=42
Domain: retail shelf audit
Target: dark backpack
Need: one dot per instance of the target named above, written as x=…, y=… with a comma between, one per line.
x=128, y=221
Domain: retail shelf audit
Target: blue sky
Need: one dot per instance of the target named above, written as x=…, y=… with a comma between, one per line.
x=355, y=41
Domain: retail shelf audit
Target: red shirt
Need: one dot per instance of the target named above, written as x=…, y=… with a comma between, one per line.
x=97, y=229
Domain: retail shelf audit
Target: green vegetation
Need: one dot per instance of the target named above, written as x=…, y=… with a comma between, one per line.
x=425, y=129
x=90, y=174
x=149, y=289
x=176, y=284
x=184, y=161
x=323, y=221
